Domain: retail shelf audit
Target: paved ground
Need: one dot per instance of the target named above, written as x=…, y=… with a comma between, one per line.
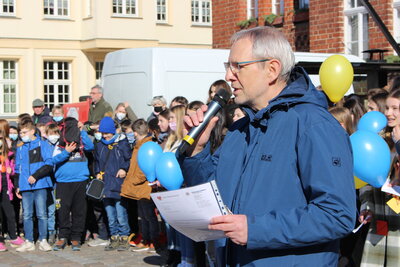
x=88, y=257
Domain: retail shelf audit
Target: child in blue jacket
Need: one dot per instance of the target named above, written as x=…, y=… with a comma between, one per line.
x=112, y=158
x=33, y=167
x=72, y=174
x=53, y=134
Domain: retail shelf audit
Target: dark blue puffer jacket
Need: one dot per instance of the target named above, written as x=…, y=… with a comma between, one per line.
x=119, y=158
x=289, y=169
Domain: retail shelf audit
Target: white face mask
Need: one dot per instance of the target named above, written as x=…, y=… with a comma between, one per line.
x=26, y=139
x=121, y=116
x=53, y=138
x=98, y=136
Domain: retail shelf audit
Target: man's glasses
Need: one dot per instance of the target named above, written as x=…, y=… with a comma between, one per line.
x=236, y=66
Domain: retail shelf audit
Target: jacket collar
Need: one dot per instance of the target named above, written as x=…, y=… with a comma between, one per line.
x=141, y=142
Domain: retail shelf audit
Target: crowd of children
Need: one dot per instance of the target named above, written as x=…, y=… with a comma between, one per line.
x=48, y=160
x=47, y=165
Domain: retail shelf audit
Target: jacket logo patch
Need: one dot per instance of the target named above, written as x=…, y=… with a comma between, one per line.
x=336, y=162
x=35, y=155
x=266, y=158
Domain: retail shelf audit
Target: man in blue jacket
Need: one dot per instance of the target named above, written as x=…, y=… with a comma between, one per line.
x=285, y=170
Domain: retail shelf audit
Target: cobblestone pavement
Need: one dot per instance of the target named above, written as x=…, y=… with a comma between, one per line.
x=88, y=257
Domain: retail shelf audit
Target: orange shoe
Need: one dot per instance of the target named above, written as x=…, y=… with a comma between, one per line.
x=135, y=240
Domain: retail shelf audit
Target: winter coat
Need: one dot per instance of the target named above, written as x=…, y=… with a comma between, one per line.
x=34, y=158
x=72, y=167
x=119, y=158
x=98, y=110
x=289, y=169
x=136, y=185
x=43, y=117
x=10, y=163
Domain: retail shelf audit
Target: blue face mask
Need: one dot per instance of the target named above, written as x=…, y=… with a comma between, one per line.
x=58, y=118
x=130, y=137
x=13, y=136
x=97, y=136
x=109, y=142
x=25, y=139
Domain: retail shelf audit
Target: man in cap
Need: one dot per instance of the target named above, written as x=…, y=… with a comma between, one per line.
x=40, y=112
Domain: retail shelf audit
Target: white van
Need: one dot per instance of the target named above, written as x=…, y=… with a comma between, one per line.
x=136, y=75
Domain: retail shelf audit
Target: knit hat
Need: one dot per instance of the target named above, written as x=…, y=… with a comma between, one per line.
x=107, y=125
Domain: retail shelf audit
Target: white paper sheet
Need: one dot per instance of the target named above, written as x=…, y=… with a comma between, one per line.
x=189, y=210
x=395, y=190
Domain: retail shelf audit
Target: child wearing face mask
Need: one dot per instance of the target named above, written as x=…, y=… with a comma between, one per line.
x=7, y=188
x=124, y=112
x=72, y=174
x=126, y=129
x=136, y=188
x=33, y=167
x=13, y=136
x=57, y=115
x=53, y=135
x=112, y=157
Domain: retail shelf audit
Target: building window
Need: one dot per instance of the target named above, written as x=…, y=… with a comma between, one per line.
x=7, y=7
x=278, y=7
x=162, y=10
x=251, y=9
x=396, y=20
x=356, y=28
x=201, y=12
x=302, y=4
x=125, y=8
x=56, y=8
x=99, y=69
x=57, y=83
x=8, y=87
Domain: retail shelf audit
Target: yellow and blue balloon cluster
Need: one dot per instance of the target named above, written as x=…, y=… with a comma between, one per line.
x=371, y=153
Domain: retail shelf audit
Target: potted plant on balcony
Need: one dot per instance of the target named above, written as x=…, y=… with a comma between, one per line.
x=273, y=20
x=248, y=23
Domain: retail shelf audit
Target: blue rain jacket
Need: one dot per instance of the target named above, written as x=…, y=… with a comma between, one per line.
x=72, y=167
x=289, y=169
x=34, y=158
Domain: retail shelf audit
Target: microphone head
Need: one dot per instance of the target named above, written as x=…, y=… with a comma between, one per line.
x=222, y=97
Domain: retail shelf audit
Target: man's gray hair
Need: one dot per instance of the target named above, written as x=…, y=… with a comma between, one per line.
x=98, y=87
x=269, y=42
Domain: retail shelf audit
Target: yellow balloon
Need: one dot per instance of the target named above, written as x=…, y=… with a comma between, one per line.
x=336, y=75
x=359, y=183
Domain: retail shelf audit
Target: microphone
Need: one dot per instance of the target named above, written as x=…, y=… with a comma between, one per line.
x=219, y=101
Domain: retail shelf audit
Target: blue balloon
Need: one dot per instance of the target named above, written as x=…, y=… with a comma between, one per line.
x=148, y=155
x=169, y=172
x=371, y=157
x=373, y=121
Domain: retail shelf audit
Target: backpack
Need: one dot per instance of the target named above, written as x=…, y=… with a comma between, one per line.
x=70, y=133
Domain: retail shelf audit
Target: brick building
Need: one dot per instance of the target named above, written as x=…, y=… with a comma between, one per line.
x=336, y=26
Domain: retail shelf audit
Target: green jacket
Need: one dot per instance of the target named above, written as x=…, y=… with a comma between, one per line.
x=97, y=112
